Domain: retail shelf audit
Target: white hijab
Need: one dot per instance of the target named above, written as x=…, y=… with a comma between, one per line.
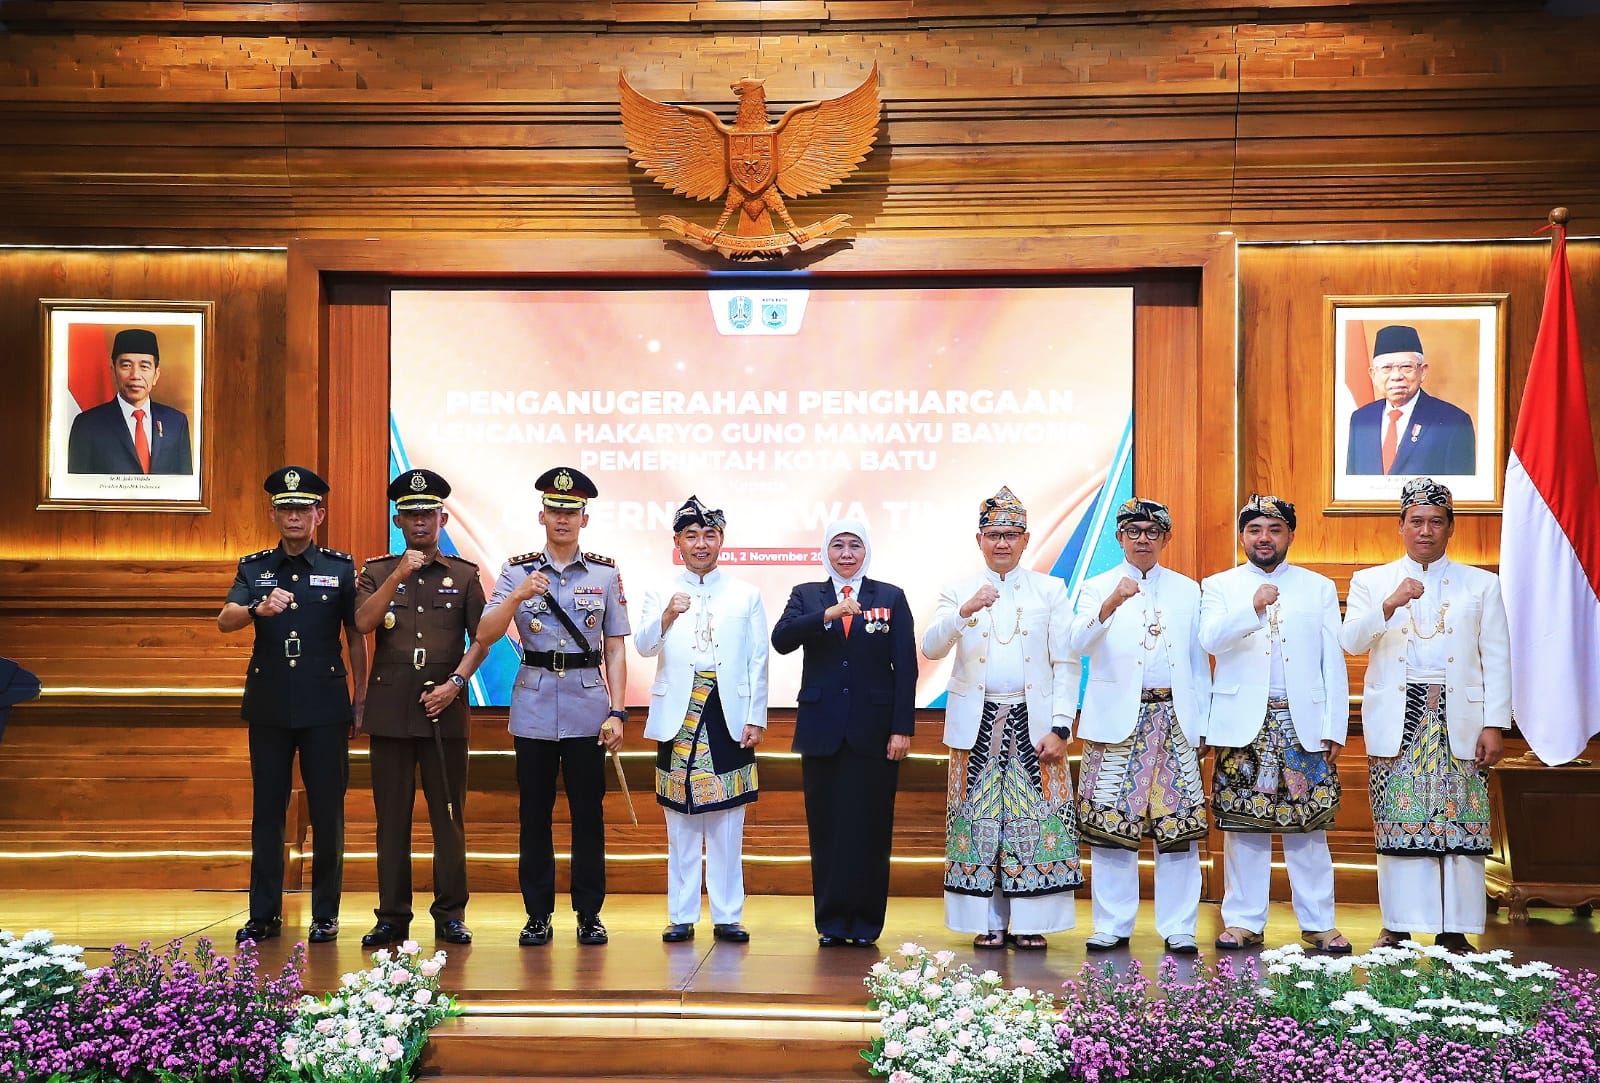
x=846, y=526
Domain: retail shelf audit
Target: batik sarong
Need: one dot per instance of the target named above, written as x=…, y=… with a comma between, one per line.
x=703, y=768
x=1273, y=784
x=1425, y=801
x=1009, y=818
x=1148, y=785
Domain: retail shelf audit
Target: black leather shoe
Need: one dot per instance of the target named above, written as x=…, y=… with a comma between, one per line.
x=385, y=932
x=590, y=930
x=259, y=929
x=453, y=932
x=1453, y=942
x=678, y=932
x=826, y=941
x=323, y=930
x=733, y=933
x=536, y=933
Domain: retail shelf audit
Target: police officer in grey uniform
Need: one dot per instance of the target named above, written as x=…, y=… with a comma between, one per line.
x=571, y=619
x=424, y=606
x=297, y=596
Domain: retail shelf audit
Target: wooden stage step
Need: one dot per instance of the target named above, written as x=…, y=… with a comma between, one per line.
x=770, y=1046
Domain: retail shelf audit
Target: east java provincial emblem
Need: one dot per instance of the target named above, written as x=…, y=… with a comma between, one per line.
x=753, y=164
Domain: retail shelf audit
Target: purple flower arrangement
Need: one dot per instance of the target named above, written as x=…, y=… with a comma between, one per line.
x=1408, y=1015
x=155, y=1015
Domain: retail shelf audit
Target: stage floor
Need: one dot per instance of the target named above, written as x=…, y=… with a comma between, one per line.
x=781, y=967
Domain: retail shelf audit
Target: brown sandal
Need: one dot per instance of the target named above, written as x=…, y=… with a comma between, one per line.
x=1328, y=942
x=1388, y=938
x=993, y=941
x=1234, y=938
x=1027, y=941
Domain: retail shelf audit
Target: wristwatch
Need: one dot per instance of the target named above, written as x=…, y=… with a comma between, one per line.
x=1063, y=732
x=251, y=608
x=618, y=714
x=457, y=679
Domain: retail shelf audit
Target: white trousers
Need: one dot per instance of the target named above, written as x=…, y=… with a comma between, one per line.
x=1432, y=894
x=1247, y=866
x=1022, y=916
x=721, y=833
x=1114, y=890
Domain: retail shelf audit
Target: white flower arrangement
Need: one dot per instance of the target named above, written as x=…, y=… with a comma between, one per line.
x=943, y=1025
x=372, y=1029
x=35, y=971
x=1477, y=997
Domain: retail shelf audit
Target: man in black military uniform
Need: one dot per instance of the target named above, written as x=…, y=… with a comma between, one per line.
x=297, y=596
x=571, y=617
x=424, y=606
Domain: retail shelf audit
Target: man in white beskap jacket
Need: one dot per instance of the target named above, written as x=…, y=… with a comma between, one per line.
x=1280, y=709
x=1438, y=694
x=708, y=712
x=1011, y=843
x=1144, y=712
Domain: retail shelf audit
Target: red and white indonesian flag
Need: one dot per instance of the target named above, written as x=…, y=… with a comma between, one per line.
x=1550, y=539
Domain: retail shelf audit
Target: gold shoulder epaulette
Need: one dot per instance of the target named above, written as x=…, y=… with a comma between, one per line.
x=382, y=556
x=598, y=559
x=526, y=558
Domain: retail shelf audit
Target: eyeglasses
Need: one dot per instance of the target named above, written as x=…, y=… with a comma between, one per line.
x=1010, y=537
x=1390, y=370
x=1134, y=533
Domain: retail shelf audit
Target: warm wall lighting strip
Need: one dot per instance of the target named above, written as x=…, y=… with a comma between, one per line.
x=124, y=690
x=484, y=855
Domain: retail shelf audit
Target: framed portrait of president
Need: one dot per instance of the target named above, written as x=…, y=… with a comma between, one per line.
x=1418, y=391
x=125, y=404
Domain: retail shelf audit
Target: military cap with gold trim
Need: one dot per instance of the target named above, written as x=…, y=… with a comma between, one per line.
x=566, y=488
x=418, y=490
x=295, y=486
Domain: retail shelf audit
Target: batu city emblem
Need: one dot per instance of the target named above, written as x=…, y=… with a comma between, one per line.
x=753, y=163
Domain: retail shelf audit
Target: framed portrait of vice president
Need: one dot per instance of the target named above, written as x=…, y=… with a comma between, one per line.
x=1418, y=391
x=125, y=410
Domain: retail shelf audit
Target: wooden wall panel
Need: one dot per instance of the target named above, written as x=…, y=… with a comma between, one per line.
x=1286, y=372
x=171, y=121
x=245, y=405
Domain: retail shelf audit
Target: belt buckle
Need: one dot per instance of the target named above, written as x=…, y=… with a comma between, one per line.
x=558, y=663
x=291, y=647
x=419, y=657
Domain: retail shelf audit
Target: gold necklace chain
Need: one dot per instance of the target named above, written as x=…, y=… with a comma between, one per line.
x=1438, y=625
x=996, y=628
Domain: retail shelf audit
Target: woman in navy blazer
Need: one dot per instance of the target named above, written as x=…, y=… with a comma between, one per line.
x=853, y=722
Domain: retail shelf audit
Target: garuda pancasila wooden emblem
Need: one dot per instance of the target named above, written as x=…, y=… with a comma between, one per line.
x=690, y=151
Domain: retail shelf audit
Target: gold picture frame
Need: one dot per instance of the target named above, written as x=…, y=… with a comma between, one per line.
x=1440, y=416
x=94, y=458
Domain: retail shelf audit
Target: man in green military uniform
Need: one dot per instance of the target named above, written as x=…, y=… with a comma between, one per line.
x=424, y=606
x=297, y=596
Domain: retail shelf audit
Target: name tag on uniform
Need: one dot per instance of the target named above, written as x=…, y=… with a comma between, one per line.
x=324, y=580
x=448, y=590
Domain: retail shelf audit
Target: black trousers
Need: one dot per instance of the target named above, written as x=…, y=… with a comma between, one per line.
x=325, y=770
x=850, y=818
x=395, y=763
x=581, y=762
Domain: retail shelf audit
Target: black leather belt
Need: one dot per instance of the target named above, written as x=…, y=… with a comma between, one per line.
x=1155, y=695
x=556, y=662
